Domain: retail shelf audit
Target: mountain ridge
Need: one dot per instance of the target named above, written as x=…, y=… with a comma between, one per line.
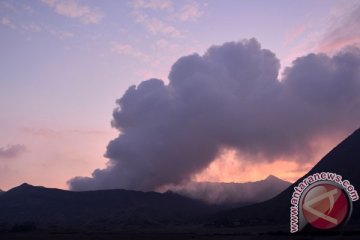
x=103, y=209
x=49, y=208
x=232, y=192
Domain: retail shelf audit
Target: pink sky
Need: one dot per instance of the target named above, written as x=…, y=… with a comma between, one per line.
x=64, y=63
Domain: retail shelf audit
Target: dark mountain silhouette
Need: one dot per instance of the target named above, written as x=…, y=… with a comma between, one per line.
x=1, y=191
x=28, y=206
x=344, y=159
x=233, y=193
x=108, y=209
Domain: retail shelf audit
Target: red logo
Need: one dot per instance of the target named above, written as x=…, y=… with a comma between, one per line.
x=325, y=206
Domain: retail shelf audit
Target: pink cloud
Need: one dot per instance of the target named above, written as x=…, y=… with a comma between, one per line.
x=73, y=9
x=152, y=4
x=343, y=32
x=337, y=44
x=295, y=34
x=189, y=12
x=155, y=25
x=6, y=21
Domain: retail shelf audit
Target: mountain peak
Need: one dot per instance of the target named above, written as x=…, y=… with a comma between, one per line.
x=25, y=186
x=273, y=178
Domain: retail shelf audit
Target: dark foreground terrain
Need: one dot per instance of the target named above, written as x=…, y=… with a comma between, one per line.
x=268, y=232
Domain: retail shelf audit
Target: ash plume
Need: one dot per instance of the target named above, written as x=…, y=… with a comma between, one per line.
x=230, y=97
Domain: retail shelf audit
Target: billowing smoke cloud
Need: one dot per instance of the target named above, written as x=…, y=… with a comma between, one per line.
x=12, y=151
x=230, y=97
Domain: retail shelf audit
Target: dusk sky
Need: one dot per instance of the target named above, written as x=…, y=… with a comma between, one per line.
x=63, y=64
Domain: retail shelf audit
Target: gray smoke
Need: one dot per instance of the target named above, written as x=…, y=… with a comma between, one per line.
x=231, y=97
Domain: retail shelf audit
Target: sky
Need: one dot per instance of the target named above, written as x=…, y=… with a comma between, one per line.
x=63, y=64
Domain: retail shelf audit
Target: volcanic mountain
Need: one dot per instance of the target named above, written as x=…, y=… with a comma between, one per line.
x=344, y=159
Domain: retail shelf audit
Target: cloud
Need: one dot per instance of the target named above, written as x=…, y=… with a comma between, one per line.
x=295, y=33
x=342, y=32
x=129, y=50
x=189, y=12
x=59, y=33
x=6, y=21
x=143, y=13
x=74, y=9
x=229, y=98
x=328, y=35
x=28, y=28
x=32, y=28
x=53, y=133
x=155, y=25
x=152, y=4
x=11, y=151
